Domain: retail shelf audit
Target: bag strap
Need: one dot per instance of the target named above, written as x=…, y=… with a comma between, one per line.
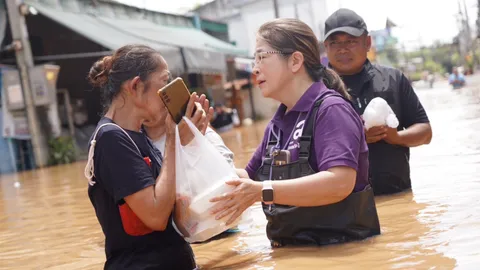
x=306, y=139
x=308, y=131
x=89, y=168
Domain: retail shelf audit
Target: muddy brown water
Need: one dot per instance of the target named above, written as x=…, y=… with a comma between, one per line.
x=49, y=223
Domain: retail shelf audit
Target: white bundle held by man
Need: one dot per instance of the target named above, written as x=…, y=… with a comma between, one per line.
x=379, y=113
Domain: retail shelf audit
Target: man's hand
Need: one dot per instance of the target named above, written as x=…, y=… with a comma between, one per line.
x=375, y=134
x=390, y=135
x=393, y=137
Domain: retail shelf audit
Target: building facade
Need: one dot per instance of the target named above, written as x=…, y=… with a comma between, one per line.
x=244, y=17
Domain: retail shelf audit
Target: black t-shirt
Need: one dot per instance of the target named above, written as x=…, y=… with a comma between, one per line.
x=120, y=170
x=389, y=164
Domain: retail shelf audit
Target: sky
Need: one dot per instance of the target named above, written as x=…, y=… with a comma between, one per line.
x=420, y=22
x=168, y=6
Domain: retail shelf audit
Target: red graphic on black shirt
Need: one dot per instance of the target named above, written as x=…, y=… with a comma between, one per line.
x=131, y=223
x=148, y=161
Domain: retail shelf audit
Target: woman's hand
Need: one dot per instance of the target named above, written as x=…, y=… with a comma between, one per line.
x=246, y=193
x=205, y=103
x=242, y=173
x=182, y=215
x=200, y=118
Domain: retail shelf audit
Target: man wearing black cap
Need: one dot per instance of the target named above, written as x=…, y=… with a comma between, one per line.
x=347, y=43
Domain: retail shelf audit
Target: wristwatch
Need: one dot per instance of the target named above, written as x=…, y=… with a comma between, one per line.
x=267, y=192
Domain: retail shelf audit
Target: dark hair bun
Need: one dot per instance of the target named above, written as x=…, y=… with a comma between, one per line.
x=98, y=75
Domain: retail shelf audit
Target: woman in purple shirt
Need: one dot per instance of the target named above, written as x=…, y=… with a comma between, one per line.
x=311, y=170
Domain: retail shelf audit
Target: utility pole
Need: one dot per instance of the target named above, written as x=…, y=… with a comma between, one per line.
x=462, y=46
x=295, y=8
x=467, y=27
x=478, y=20
x=471, y=43
x=275, y=8
x=467, y=21
x=24, y=58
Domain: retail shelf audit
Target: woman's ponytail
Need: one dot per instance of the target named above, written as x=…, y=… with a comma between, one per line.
x=333, y=81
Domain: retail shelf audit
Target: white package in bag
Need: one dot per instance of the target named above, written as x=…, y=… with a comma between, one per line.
x=378, y=113
x=201, y=173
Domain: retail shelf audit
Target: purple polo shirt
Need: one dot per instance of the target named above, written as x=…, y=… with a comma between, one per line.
x=338, y=140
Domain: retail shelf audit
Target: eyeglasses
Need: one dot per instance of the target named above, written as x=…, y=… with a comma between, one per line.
x=340, y=44
x=259, y=56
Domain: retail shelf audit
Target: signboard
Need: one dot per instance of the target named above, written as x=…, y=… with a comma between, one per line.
x=15, y=124
x=41, y=95
x=15, y=127
x=14, y=94
x=43, y=81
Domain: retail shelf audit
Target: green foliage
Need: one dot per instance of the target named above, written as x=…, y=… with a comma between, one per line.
x=433, y=66
x=455, y=58
x=62, y=150
x=437, y=58
x=415, y=76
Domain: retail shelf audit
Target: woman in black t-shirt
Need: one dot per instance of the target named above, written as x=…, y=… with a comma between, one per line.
x=132, y=188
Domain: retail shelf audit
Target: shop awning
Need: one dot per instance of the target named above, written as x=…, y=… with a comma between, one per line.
x=244, y=64
x=113, y=25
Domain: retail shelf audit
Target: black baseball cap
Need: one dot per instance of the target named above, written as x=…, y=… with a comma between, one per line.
x=346, y=21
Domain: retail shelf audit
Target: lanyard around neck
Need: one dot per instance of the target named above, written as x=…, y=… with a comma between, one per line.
x=279, y=135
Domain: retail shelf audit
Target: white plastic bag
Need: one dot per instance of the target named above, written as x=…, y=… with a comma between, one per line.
x=379, y=113
x=201, y=173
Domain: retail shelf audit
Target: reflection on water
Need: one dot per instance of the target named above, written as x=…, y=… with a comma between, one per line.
x=48, y=222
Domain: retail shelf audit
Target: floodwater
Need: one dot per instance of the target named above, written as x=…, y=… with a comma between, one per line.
x=48, y=222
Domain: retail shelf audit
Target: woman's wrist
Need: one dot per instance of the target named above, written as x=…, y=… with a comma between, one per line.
x=258, y=187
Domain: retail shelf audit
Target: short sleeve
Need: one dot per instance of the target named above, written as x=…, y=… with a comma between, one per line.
x=119, y=166
x=412, y=109
x=219, y=144
x=338, y=137
x=257, y=158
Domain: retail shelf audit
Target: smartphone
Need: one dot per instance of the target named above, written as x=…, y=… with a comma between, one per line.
x=175, y=96
x=281, y=157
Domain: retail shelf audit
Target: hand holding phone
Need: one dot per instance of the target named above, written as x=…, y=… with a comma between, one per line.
x=179, y=103
x=176, y=96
